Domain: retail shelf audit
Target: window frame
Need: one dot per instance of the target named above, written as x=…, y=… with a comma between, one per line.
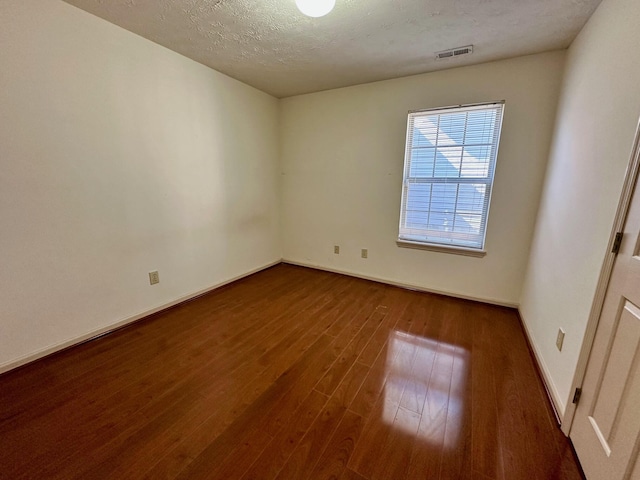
x=447, y=247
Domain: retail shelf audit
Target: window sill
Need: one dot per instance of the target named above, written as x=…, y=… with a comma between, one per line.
x=469, y=252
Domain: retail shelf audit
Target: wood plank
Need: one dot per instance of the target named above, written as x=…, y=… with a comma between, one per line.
x=486, y=453
x=335, y=457
x=272, y=458
x=330, y=381
x=349, y=474
x=457, y=463
x=306, y=454
x=426, y=460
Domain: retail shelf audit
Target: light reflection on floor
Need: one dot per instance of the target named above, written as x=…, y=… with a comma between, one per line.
x=424, y=390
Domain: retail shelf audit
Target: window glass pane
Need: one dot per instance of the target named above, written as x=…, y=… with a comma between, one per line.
x=468, y=224
x=425, y=132
x=418, y=197
x=481, y=126
x=443, y=200
x=471, y=199
x=448, y=162
x=440, y=221
x=422, y=162
x=451, y=130
x=475, y=161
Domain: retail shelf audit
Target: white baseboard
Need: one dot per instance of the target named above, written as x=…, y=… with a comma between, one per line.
x=5, y=367
x=556, y=400
x=408, y=286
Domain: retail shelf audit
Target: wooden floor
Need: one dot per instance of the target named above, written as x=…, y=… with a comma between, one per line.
x=290, y=374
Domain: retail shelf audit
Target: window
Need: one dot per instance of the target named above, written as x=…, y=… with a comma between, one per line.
x=449, y=163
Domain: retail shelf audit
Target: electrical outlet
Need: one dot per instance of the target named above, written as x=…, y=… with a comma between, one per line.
x=336, y=249
x=560, y=339
x=154, y=277
x=365, y=253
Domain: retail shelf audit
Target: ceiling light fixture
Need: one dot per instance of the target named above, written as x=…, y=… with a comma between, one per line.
x=315, y=8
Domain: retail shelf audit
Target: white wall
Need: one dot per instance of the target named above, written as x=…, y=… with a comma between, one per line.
x=342, y=161
x=117, y=157
x=597, y=117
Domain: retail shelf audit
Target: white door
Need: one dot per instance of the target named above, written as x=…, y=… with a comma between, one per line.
x=606, y=427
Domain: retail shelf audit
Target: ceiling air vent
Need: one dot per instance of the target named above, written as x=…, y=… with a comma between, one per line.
x=454, y=52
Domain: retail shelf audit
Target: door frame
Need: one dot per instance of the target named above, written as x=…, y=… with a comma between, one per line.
x=630, y=178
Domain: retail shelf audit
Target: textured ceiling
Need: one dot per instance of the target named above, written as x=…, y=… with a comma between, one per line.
x=269, y=44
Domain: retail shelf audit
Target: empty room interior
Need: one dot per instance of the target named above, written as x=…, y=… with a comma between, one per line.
x=273, y=240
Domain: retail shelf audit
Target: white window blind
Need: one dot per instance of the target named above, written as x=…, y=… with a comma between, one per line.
x=450, y=160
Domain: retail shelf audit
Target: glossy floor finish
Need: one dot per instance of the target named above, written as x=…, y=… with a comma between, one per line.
x=291, y=374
